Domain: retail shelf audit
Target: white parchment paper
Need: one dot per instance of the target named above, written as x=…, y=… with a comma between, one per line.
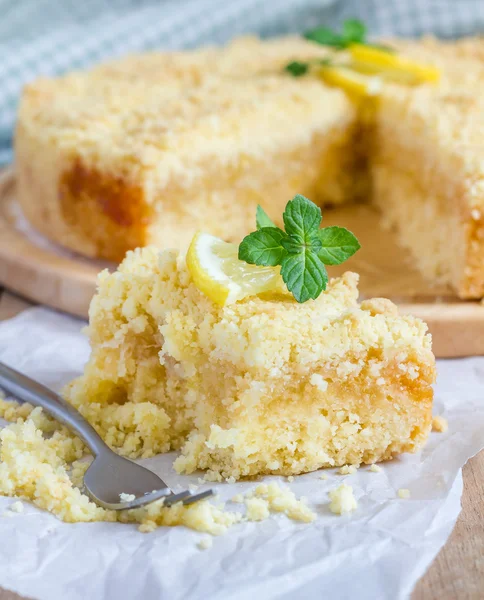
x=379, y=551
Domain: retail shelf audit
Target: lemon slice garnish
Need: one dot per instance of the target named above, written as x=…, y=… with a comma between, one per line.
x=220, y=275
x=353, y=83
x=391, y=65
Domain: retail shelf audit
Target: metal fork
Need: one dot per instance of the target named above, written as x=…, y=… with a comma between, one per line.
x=109, y=476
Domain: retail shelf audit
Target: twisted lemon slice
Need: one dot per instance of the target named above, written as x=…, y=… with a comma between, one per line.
x=353, y=83
x=220, y=275
x=366, y=69
x=392, y=65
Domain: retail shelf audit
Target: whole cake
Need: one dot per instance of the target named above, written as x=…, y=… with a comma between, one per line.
x=261, y=386
x=148, y=149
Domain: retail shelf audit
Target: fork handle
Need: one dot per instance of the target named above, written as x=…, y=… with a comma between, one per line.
x=31, y=391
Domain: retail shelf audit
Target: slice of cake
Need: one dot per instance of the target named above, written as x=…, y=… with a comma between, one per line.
x=261, y=386
x=149, y=149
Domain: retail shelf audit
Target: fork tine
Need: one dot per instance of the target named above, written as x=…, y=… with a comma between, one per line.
x=174, y=498
x=186, y=497
x=196, y=497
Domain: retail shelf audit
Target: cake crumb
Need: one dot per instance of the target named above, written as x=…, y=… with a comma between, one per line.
x=319, y=382
x=439, y=424
x=16, y=507
x=238, y=498
x=290, y=478
x=257, y=509
x=205, y=543
x=193, y=487
x=127, y=497
x=375, y=468
x=347, y=470
x=324, y=477
x=284, y=500
x=147, y=527
x=342, y=500
x=403, y=493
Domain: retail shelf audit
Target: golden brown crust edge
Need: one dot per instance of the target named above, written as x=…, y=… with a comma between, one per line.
x=78, y=206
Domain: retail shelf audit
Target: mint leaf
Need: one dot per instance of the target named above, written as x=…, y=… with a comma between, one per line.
x=337, y=245
x=354, y=31
x=297, y=68
x=263, y=247
x=302, y=250
x=301, y=218
x=326, y=37
x=262, y=219
x=304, y=275
x=293, y=245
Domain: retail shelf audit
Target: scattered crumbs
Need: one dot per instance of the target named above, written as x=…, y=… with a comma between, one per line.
x=201, y=481
x=440, y=424
x=290, y=478
x=193, y=487
x=16, y=507
x=342, y=500
x=283, y=500
x=375, y=468
x=347, y=470
x=205, y=543
x=403, y=493
x=324, y=477
x=147, y=527
x=257, y=509
x=238, y=498
x=127, y=497
x=231, y=479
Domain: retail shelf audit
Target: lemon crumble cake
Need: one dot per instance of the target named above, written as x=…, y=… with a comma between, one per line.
x=150, y=148
x=261, y=386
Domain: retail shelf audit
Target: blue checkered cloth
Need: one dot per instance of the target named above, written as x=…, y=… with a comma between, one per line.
x=49, y=37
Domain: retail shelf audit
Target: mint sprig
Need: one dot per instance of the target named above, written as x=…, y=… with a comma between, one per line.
x=353, y=31
x=302, y=250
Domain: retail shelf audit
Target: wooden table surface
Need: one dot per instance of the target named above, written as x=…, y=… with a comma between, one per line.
x=458, y=571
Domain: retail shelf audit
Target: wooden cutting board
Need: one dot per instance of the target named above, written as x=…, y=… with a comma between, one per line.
x=43, y=272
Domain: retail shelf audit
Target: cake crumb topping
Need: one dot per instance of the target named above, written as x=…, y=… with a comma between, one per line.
x=17, y=507
x=205, y=543
x=348, y=470
x=342, y=500
x=439, y=424
x=127, y=497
